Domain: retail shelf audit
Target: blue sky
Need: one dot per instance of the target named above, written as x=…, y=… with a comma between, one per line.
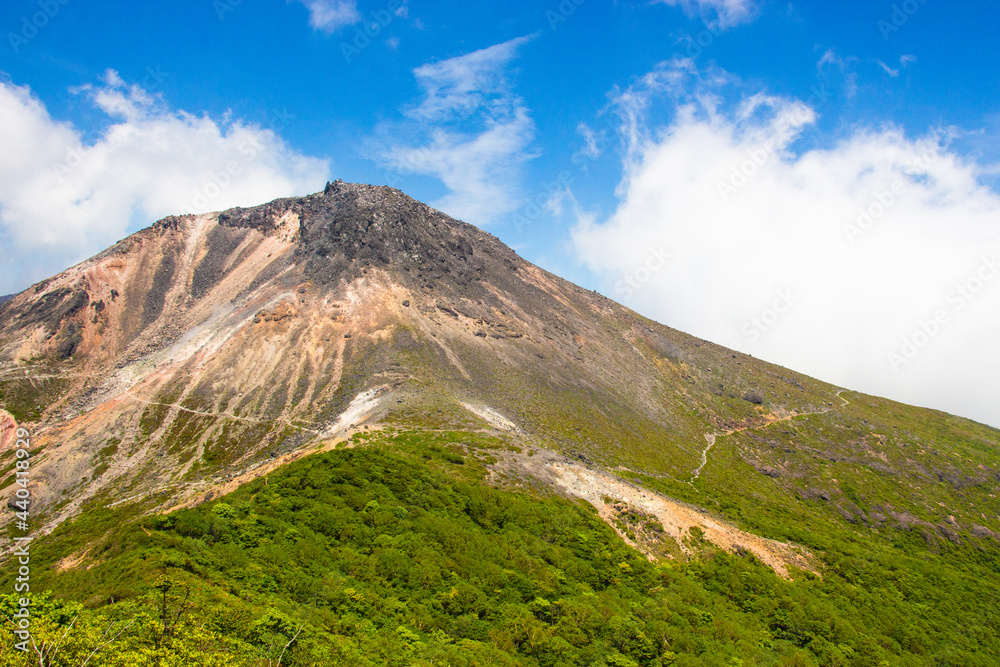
x=814, y=183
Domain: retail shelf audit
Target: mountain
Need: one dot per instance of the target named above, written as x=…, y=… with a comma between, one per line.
x=206, y=347
x=8, y=297
x=207, y=355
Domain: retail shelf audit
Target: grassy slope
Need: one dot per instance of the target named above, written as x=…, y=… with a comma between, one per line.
x=397, y=553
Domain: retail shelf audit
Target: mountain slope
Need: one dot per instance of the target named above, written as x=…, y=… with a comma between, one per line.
x=198, y=335
x=204, y=346
x=206, y=353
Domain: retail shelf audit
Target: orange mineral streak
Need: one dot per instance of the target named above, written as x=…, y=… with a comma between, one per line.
x=8, y=431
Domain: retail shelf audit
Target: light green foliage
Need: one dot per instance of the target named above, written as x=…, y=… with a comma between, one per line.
x=398, y=553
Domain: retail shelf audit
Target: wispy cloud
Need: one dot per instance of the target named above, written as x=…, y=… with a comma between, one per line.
x=832, y=66
x=722, y=14
x=591, y=148
x=459, y=86
x=830, y=57
x=331, y=15
x=888, y=70
x=63, y=198
x=874, y=235
x=904, y=61
x=476, y=133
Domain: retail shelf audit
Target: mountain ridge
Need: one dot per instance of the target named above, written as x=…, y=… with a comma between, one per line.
x=212, y=348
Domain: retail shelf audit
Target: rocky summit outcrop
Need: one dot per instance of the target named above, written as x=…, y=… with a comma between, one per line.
x=208, y=349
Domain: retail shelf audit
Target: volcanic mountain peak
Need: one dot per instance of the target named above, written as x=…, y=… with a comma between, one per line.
x=272, y=318
x=207, y=350
x=350, y=225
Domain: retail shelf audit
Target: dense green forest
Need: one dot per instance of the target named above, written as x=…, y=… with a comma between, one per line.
x=399, y=553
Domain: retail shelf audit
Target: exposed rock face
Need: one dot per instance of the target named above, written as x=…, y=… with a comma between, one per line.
x=206, y=349
x=8, y=431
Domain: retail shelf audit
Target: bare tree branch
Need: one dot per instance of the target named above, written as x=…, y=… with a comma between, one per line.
x=55, y=647
x=289, y=644
x=110, y=641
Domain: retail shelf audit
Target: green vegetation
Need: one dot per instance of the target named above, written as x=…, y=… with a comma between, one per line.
x=26, y=399
x=398, y=553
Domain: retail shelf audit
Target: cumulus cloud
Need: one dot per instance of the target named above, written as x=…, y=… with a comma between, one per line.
x=64, y=198
x=871, y=263
x=332, y=15
x=475, y=133
x=722, y=14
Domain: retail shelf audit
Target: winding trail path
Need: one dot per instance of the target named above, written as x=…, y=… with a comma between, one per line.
x=846, y=402
x=711, y=437
x=221, y=414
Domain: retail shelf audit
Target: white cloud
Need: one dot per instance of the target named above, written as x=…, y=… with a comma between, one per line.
x=905, y=60
x=459, y=86
x=476, y=133
x=722, y=14
x=63, y=198
x=868, y=239
x=832, y=65
x=332, y=15
x=830, y=57
x=888, y=70
x=591, y=148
